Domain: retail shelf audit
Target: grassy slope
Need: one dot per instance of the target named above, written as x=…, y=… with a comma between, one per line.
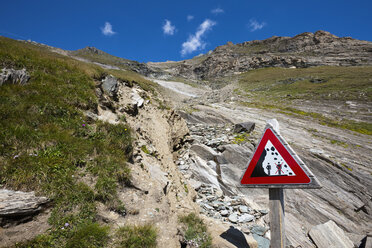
x=47, y=144
x=277, y=88
x=103, y=58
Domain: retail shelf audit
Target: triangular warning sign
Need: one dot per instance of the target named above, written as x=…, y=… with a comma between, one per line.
x=274, y=163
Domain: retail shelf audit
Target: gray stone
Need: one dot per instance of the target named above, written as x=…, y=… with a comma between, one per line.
x=11, y=76
x=329, y=235
x=224, y=212
x=207, y=206
x=19, y=203
x=259, y=230
x=244, y=127
x=217, y=204
x=262, y=242
x=245, y=218
x=110, y=85
x=233, y=218
x=263, y=211
x=243, y=209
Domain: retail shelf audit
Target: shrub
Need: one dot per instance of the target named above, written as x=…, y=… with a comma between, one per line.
x=136, y=237
x=195, y=231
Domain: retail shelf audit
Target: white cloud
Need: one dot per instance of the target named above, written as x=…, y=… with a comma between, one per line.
x=217, y=11
x=107, y=29
x=168, y=28
x=195, y=42
x=255, y=25
x=189, y=17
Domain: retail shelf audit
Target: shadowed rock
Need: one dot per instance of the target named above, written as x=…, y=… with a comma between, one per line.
x=244, y=127
x=18, y=204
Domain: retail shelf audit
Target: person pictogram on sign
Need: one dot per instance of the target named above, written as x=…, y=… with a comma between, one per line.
x=279, y=167
x=268, y=168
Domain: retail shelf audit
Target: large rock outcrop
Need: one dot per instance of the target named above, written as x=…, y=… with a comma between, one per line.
x=303, y=50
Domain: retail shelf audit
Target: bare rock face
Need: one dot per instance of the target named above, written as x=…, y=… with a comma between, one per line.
x=18, y=204
x=329, y=235
x=11, y=76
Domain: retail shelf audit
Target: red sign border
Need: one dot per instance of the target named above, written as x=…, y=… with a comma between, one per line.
x=300, y=176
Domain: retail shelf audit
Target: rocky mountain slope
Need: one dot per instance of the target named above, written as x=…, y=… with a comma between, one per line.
x=166, y=167
x=86, y=157
x=303, y=50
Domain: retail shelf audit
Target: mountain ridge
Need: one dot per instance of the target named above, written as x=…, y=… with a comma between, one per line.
x=303, y=50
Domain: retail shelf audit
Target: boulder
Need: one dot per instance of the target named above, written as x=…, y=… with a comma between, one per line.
x=110, y=85
x=11, y=76
x=244, y=127
x=329, y=235
x=19, y=203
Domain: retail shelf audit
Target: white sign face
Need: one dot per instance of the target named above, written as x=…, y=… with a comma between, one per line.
x=274, y=164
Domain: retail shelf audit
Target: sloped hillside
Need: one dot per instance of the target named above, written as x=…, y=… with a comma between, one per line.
x=96, y=146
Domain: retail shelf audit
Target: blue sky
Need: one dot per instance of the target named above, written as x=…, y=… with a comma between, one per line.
x=176, y=29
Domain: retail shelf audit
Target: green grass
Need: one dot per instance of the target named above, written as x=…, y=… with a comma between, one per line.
x=240, y=138
x=337, y=83
x=47, y=144
x=135, y=78
x=359, y=127
x=103, y=58
x=195, y=230
x=278, y=89
x=136, y=237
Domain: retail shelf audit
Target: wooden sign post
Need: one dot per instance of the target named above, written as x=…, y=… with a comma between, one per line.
x=274, y=165
x=276, y=207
